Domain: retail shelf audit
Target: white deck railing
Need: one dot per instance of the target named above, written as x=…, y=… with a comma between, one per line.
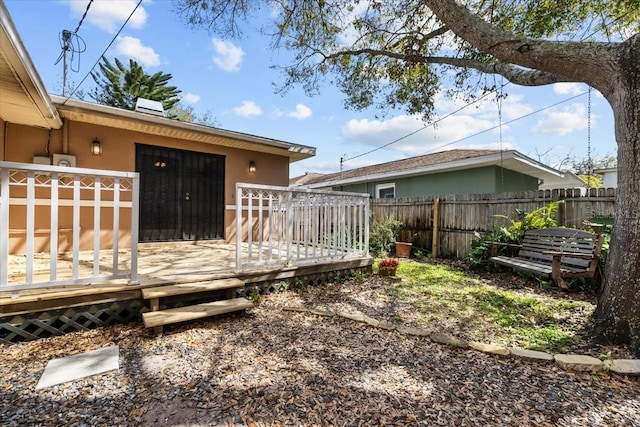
x=52, y=195
x=280, y=226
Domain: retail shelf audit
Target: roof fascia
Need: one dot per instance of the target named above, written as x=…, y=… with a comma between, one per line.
x=22, y=64
x=488, y=160
x=64, y=104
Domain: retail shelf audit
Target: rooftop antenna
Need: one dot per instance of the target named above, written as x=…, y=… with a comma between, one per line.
x=343, y=159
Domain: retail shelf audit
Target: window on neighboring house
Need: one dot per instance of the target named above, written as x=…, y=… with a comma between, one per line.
x=386, y=191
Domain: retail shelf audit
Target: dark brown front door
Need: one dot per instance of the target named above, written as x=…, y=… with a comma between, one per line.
x=181, y=194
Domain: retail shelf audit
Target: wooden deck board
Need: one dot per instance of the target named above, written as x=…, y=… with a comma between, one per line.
x=192, y=312
x=189, y=288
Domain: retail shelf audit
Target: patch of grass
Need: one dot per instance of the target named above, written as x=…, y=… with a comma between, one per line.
x=446, y=298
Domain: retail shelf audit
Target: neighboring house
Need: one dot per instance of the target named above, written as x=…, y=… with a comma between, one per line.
x=568, y=180
x=304, y=179
x=447, y=172
x=609, y=177
x=188, y=172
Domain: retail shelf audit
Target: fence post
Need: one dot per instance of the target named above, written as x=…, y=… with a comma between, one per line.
x=436, y=221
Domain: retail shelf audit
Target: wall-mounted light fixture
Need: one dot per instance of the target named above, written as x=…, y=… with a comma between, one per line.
x=96, y=147
x=252, y=166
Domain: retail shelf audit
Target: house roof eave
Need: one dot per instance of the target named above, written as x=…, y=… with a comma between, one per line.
x=104, y=115
x=24, y=98
x=508, y=159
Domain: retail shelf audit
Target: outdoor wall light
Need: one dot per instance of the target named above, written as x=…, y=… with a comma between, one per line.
x=96, y=147
x=252, y=166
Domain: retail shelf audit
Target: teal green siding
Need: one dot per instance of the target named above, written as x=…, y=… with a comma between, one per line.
x=490, y=179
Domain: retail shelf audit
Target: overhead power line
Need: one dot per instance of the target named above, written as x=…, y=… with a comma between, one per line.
x=429, y=124
x=103, y=52
x=473, y=102
x=84, y=15
x=506, y=123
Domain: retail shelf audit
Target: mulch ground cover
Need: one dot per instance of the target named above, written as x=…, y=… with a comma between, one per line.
x=273, y=367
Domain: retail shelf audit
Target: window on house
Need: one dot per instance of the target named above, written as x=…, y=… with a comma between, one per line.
x=386, y=191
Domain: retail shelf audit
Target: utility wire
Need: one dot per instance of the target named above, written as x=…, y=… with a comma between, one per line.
x=84, y=15
x=506, y=123
x=103, y=52
x=429, y=124
x=473, y=102
x=71, y=42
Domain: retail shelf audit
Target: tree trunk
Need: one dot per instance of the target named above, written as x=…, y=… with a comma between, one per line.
x=617, y=316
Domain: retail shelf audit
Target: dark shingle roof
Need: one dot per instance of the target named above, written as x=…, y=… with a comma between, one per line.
x=403, y=165
x=306, y=178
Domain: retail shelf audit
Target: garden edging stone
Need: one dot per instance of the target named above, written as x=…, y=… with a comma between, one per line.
x=630, y=367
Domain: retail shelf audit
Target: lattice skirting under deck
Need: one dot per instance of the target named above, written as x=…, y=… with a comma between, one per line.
x=317, y=279
x=33, y=326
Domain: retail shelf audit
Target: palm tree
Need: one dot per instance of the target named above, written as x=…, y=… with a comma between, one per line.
x=119, y=86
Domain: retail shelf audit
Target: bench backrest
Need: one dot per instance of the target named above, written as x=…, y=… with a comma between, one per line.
x=566, y=240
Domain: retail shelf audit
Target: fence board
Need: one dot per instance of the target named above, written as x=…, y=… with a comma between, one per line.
x=460, y=216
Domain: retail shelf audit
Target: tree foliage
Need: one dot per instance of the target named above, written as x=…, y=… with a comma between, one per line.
x=587, y=166
x=120, y=86
x=186, y=113
x=400, y=53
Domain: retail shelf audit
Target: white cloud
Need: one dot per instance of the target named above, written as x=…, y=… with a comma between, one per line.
x=191, y=98
x=228, y=56
x=486, y=108
x=302, y=112
x=414, y=137
x=562, y=122
x=569, y=88
x=247, y=108
x=109, y=15
x=131, y=47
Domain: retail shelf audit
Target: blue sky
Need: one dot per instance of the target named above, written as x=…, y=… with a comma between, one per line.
x=232, y=80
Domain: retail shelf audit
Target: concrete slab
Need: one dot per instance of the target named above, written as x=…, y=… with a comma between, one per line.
x=81, y=365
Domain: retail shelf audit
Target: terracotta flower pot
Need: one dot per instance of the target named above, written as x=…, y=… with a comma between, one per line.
x=387, y=271
x=403, y=249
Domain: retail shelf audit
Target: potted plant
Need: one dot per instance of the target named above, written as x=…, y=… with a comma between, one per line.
x=387, y=267
x=403, y=244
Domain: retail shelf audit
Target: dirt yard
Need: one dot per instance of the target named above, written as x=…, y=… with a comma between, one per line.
x=271, y=367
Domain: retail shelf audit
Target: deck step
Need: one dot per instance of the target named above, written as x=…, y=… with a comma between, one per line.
x=192, y=312
x=190, y=288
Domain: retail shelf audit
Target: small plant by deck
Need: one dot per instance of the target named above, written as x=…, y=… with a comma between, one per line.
x=388, y=263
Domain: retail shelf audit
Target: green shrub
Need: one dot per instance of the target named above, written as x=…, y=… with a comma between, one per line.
x=382, y=235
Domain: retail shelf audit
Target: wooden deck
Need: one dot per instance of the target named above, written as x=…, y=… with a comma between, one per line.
x=159, y=264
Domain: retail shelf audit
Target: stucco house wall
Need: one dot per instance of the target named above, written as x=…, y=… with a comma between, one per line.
x=25, y=142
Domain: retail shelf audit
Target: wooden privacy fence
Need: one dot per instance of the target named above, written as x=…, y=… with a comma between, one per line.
x=458, y=217
x=280, y=226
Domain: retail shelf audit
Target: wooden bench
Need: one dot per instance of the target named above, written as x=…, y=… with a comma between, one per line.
x=558, y=253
